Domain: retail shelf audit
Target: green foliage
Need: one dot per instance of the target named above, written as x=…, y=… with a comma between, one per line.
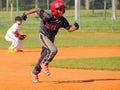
x=27, y=7
x=13, y=1
x=30, y=6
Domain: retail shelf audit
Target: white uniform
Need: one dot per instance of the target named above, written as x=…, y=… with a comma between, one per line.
x=10, y=36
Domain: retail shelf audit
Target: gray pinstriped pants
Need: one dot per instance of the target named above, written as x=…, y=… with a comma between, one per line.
x=49, y=50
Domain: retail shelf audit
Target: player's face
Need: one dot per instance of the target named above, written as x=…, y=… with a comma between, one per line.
x=60, y=11
x=19, y=22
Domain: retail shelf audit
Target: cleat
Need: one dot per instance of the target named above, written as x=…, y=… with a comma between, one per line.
x=35, y=78
x=45, y=68
x=19, y=50
x=12, y=51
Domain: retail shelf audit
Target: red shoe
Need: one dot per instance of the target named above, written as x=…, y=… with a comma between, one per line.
x=45, y=68
x=35, y=78
x=19, y=50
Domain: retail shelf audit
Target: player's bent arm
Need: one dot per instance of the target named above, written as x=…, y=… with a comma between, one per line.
x=24, y=16
x=72, y=28
x=16, y=32
x=30, y=11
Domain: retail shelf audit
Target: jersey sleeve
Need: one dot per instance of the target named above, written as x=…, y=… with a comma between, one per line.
x=43, y=15
x=65, y=24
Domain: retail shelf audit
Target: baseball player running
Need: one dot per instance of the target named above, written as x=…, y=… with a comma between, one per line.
x=12, y=36
x=50, y=24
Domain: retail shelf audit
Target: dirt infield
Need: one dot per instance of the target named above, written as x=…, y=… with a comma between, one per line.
x=15, y=71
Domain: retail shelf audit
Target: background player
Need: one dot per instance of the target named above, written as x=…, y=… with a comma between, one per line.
x=50, y=24
x=11, y=36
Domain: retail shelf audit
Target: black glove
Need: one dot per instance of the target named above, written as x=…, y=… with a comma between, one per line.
x=76, y=25
x=21, y=36
x=24, y=17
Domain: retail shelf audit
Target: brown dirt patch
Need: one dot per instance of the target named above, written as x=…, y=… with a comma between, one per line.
x=15, y=71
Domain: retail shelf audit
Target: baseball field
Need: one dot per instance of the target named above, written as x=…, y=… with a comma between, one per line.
x=15, y=71
x=86, y=59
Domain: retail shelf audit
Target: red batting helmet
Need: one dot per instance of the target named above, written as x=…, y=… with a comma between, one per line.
x=56, y=5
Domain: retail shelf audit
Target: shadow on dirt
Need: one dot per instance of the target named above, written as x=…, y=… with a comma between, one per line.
x=31, y=51
x=85, y=81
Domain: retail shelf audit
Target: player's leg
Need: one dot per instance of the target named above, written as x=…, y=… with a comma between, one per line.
x=43, y=49
x=51, y=51
x=19, y=45
x=35, y=73
x=48, y=52
x=13, y=45
x=37, y=69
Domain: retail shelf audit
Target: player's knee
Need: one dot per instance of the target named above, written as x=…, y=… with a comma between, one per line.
x=54, y=51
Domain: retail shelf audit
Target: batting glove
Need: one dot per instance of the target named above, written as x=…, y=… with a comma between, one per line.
x=76, y=25
x=24, y=17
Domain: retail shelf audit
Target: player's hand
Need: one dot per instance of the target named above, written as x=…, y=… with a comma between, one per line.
x=76, y=25
x=21, y=36
x=24, y=16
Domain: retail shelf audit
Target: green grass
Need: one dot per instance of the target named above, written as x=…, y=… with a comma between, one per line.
x=78, y=38
x=88, y=20
x=66, y=39
x=105, y=63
